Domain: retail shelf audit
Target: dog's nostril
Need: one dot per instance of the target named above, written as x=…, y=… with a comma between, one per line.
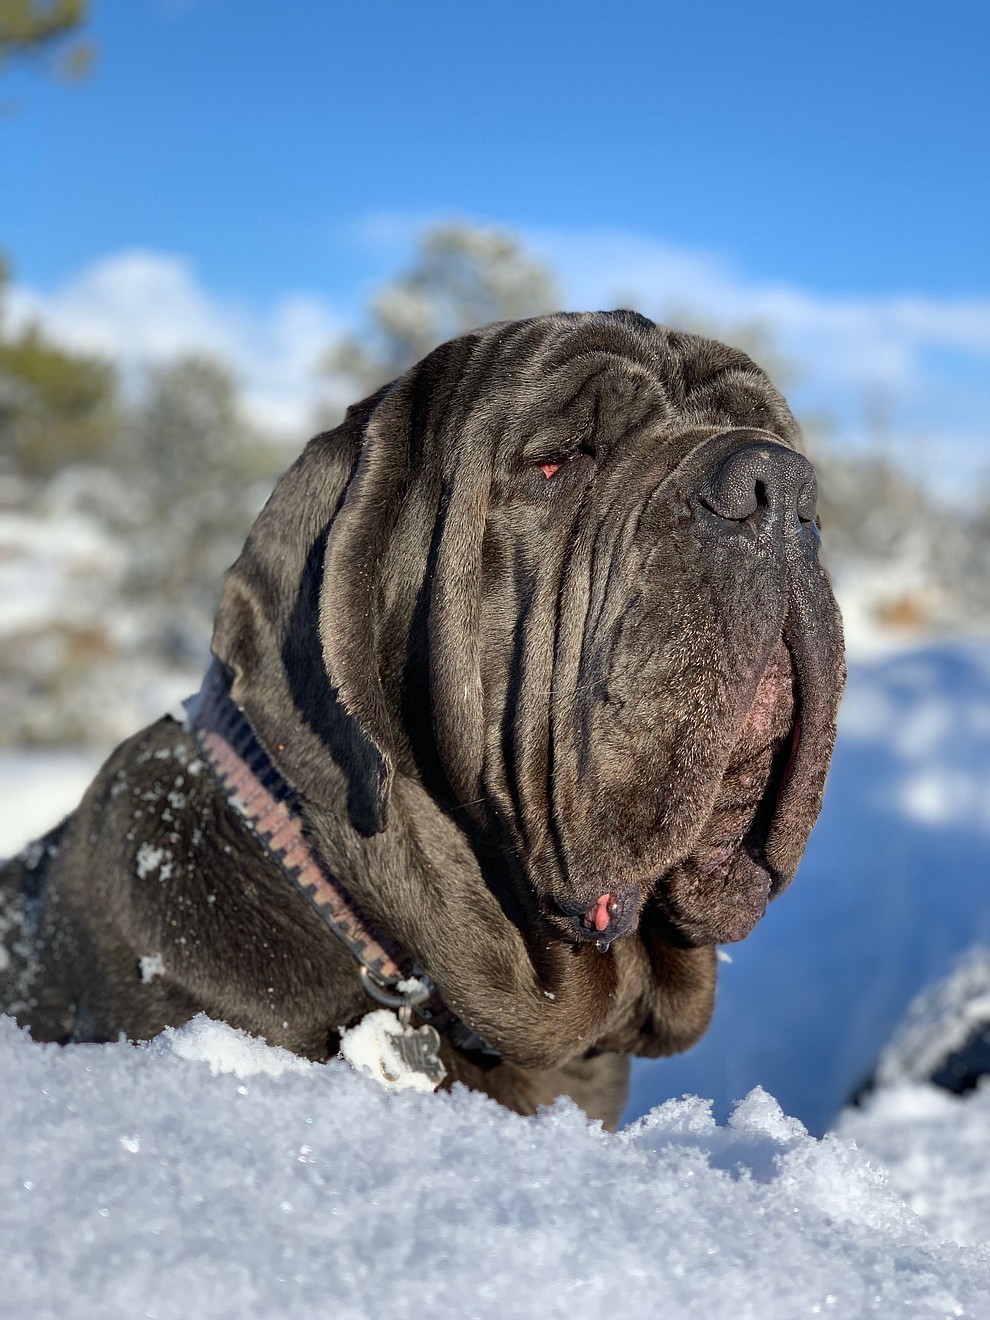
x=762, y=477
x=807, y=501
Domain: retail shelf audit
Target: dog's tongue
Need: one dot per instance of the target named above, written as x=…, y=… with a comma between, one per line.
x=599, y=916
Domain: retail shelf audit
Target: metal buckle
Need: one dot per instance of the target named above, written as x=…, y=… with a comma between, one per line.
x=396, y=999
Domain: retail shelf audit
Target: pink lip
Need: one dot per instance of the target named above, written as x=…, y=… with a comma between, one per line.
x=599, y=916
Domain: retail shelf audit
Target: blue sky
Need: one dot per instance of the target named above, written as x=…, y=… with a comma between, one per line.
x=241, y=173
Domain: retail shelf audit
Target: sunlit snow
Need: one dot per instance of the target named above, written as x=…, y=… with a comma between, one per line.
x=207, y=1174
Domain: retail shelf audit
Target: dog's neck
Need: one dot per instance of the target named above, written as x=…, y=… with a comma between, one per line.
x=272, y=811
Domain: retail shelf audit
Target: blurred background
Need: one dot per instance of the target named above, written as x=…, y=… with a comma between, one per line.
x=220, y=223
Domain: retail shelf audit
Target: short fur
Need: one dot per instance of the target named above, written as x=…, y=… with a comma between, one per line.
x=500, y=695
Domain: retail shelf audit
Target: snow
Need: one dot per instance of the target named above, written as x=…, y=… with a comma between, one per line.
x=151, y=965
x=151, y=860
x=207, y=1174
x=47, y=565
x=934, y=1147
x=38, y=788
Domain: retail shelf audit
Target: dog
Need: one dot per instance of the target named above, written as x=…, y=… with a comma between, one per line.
x=522, y=701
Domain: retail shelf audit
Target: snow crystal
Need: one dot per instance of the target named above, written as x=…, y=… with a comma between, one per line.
x=207, y=1174
x=151, y=859
x=150, y=966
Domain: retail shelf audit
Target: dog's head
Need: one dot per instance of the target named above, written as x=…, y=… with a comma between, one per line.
x=565, y=574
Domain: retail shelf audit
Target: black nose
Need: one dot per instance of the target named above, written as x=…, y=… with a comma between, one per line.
x=763, y=482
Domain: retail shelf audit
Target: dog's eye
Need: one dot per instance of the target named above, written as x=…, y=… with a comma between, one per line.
x=546, y=476
x=551, y=466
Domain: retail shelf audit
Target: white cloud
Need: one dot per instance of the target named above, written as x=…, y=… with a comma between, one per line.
x=141, y=307
x=601, y=268
x=875, y=339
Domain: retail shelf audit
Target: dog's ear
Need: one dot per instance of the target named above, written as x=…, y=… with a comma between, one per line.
x=295, y=633
x=400, y=557
x=337, y=611
x=349, y=599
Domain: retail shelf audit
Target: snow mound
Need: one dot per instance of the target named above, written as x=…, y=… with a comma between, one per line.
x=226, y=1050
x=202, y=1175
x=934, y=1147
x=933, y=1143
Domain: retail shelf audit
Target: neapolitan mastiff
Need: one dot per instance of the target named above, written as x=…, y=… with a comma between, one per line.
x=523, y=700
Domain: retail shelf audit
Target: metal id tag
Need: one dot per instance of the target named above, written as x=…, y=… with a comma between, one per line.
x=419, y=1050
x=398, y=1056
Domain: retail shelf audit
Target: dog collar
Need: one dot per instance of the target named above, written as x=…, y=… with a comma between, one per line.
x=271, y=809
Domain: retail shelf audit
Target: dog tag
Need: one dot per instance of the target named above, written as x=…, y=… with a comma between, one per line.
x=419, y=1050
x=399, y=1057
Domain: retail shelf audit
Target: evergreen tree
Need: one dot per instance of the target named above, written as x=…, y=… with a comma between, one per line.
x=32, y=28
x=461, y=276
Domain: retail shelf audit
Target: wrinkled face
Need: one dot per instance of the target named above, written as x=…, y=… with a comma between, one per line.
x=657, y=648
x=667, y=648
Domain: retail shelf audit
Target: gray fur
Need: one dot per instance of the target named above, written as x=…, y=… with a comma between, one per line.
x=501, y=696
